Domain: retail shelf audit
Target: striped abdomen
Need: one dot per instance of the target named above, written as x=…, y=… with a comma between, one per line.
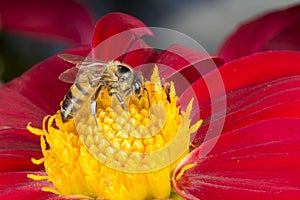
x=75, y=97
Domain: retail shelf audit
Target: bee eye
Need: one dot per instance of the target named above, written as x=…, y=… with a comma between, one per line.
x=123, y=69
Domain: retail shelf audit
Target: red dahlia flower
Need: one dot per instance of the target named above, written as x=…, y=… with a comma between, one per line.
x=49, y=20
x=256, y=157
x=277, y=30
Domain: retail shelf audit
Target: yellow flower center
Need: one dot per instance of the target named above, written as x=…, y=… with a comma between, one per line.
x=122, y=154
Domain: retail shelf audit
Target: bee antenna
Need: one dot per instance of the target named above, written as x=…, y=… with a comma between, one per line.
x=147, y=96
x=107, y=80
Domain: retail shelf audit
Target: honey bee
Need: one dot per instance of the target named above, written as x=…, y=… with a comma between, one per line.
x=92, y=77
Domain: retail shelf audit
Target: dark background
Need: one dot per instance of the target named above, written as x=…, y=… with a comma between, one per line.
x=206, y=21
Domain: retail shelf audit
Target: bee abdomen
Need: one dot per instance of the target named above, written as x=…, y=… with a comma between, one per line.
x=66, y=109
x=72, y=101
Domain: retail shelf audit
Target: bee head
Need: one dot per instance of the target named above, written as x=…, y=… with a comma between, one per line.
x=124, y=71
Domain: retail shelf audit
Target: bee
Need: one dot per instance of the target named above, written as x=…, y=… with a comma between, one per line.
x=91, y=76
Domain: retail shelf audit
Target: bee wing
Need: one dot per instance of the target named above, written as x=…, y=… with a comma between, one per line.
x=79, y=60
x=69, y=76
x=83, y=65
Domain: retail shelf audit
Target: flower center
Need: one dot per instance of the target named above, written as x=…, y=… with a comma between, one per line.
x=122, y=154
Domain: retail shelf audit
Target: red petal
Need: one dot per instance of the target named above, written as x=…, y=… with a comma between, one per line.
x=57, y=19
x=278, y=98
x=277, y=30
x=259, y=68
x=286, y=39
x=115, y=33
x=13, y=161
x=16, y=110
x=259, y=161
x=256, y=89
x=17, y=147
x=16, y=185
x=186, y=60
x=36, y=93
x=139, y=53
x=191, y=65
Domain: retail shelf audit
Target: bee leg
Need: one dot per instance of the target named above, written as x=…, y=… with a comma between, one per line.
x=93, y=105
x=148, y=97
x=94, y=108
x=118, y=96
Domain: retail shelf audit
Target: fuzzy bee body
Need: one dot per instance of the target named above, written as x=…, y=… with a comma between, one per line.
x=93, y=76
x=75, y=97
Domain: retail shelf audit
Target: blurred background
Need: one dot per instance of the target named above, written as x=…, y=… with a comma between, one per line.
x=207, y=21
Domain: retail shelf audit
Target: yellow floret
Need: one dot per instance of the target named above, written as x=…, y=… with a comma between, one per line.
x=122, y=154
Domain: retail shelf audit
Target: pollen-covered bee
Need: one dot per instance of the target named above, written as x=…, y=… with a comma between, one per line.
x=91, y=77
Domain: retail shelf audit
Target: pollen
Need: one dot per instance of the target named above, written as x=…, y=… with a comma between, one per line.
x=120, y=153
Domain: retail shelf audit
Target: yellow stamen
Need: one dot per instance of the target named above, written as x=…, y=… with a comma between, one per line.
x=48, y=189
x=122, y=154
x=183, y=169
x=37, y=177
x=37, y=161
